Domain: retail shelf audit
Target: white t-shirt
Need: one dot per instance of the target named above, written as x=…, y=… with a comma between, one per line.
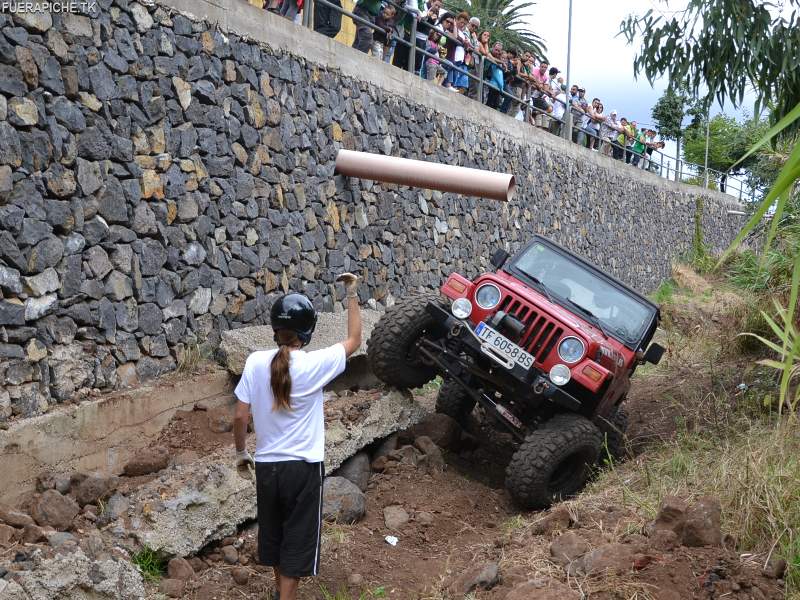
x=299, y=433
x=560, y=106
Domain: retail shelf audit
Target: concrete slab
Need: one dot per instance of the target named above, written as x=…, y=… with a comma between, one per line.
x=192, y=505
x=238, y=344
x=101, y=435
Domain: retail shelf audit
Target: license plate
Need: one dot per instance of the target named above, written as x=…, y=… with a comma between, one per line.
x=501, y=348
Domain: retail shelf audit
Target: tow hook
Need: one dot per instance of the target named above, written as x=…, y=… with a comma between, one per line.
x=539, y=386
x=455, y=330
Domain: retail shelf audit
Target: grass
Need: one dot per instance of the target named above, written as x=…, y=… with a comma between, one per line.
x=151, y=563
x=334, y=533
x=665, y=292
x=193, y=356
x=431, y=387
x=368, y=594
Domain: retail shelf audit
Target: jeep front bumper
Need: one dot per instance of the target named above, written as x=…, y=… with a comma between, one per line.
x=460, y=339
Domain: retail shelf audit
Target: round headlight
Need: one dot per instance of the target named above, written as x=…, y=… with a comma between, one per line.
x=560, y=374
x=571, y=350
x=488, y=296
x=461, y=308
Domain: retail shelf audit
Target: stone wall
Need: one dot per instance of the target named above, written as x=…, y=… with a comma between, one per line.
x=163, y=178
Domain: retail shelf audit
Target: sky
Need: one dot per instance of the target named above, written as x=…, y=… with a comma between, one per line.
x=601, y=62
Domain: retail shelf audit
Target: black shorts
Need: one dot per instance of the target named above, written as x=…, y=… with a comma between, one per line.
x=289, y=497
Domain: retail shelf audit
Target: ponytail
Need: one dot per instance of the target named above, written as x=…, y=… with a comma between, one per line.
x=280, y=378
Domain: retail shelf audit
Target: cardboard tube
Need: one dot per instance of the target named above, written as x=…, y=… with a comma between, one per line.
x=428, y=175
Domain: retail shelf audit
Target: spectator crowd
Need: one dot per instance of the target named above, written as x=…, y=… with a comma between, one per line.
x=452, y=51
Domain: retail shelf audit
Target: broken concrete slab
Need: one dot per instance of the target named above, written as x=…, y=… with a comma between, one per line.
x=190, y=506
x=237, y=344
x=76, y=576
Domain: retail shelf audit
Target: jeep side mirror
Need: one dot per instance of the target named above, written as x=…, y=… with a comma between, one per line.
x=499, y=258
x=654, y=353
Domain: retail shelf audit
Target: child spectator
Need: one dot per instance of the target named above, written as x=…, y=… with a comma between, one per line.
x=433, y=66
x=380, y=37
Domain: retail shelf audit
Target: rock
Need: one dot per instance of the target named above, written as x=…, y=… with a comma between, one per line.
x=432, y=452
x=356, y=469
x=147, y=460
x=14, y=517
x=172, y=588
x=201, y=299
x=33, y=534
x=615, y=558
x=230, y=555
x=75, y=575
x=664, y=539
x=342, y=501
x=238, y=344
x=23, y=112
x=8, y=535
x=442, y=430
x=702, y=526
x=12, y=313
x=240, y=575
x=484, y=576
x=424, y=518
x=116, y=506
x=141, y=17
x=542, y=589
x=43, y=283
x=127, y=377
x=220, y=420
x=61, y=540
x=557, y=519
x=775, y=568
x=54, y=510
x=35, y=308
x=179, y=568
x=355, y=580
x=183, y=91
x=394, y=517
x=671, y=516
x=95, y=488
x=34, y=20
x=567, y=548
x=35, y=351
x=386, y=447
x=60, y=181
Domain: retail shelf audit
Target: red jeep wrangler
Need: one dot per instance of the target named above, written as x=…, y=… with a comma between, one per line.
x=546, y=344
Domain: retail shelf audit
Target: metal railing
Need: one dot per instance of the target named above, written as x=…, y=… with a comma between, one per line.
x=651, y=159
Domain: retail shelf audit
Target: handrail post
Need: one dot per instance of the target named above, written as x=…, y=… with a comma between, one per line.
x=480, y=78
x=412, y=51
x=308, y=9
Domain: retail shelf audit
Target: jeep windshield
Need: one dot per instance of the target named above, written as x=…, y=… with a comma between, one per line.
x=580, y=289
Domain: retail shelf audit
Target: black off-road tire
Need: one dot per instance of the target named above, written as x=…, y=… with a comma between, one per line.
x=390, y=347
x=454, y=402
x=615, y=442
x=554, y=462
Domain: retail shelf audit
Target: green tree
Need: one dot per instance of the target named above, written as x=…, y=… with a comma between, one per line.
x=724, y=47
x=724, y=132
x=668, y=113
x=506, y=20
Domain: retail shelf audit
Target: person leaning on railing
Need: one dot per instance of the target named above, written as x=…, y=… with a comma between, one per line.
x=426, y=24
x=385, y=23
x=367, y=10
x=473, y=60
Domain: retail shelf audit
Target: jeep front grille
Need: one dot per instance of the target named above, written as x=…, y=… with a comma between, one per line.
x=541, y=334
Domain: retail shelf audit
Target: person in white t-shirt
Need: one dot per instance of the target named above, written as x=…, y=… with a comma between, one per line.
x=282, y=389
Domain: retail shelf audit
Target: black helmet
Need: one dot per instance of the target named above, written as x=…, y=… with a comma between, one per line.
x=295, y=313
